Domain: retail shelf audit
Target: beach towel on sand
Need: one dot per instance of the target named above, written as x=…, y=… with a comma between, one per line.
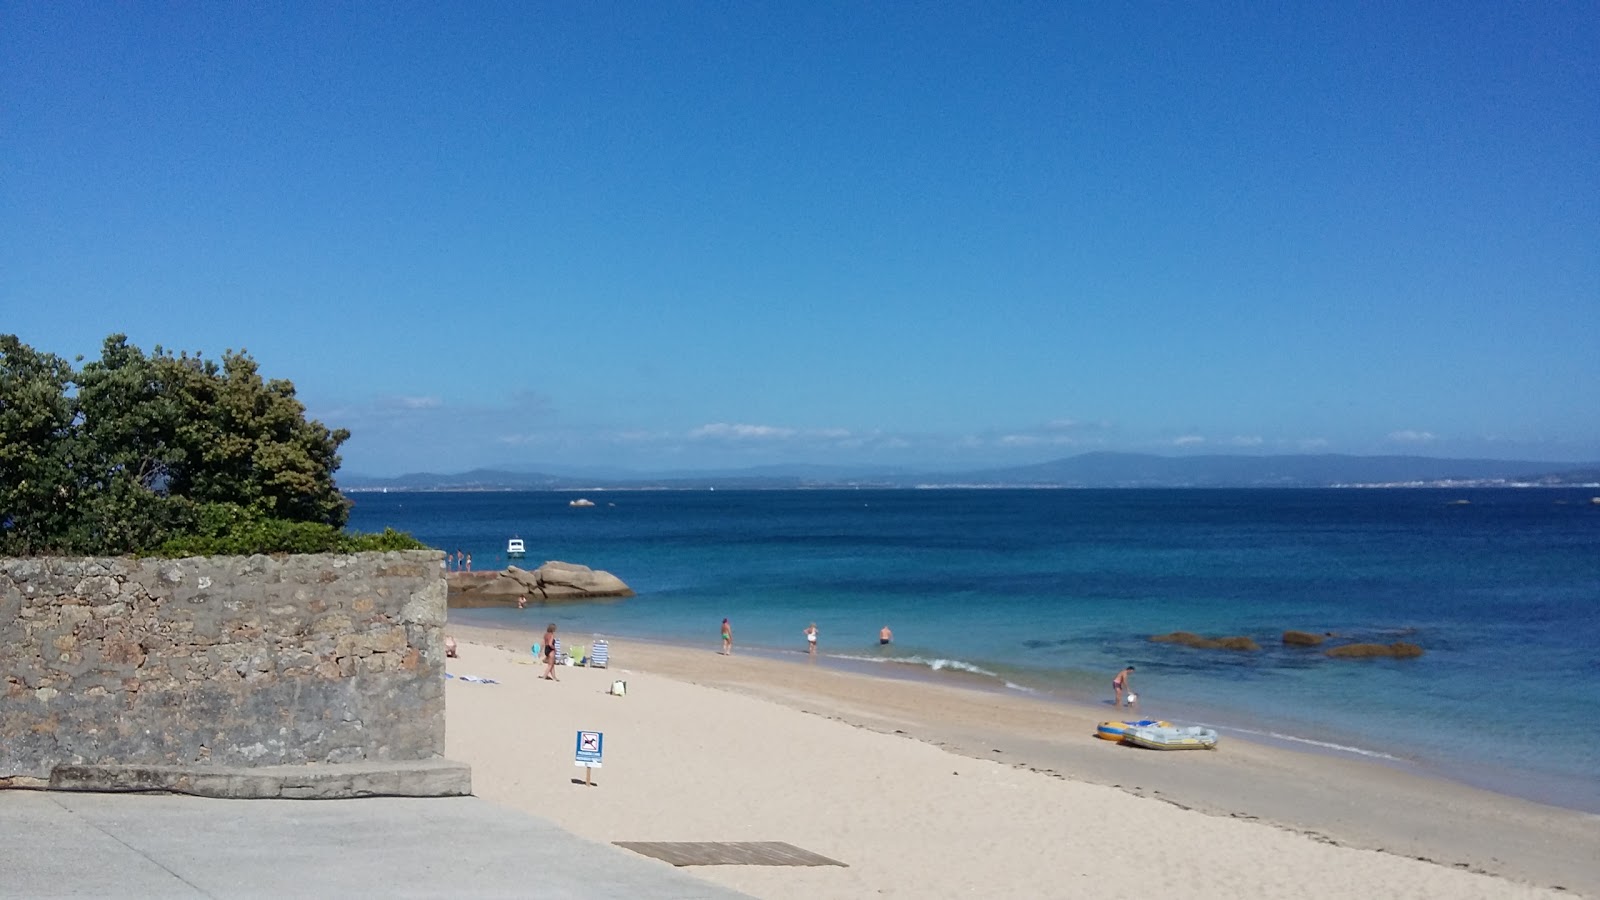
x=475, y=679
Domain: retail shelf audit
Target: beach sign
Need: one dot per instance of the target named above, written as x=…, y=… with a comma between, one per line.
x=591, y=746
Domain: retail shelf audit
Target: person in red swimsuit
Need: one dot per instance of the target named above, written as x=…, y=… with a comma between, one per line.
x=1119, y=685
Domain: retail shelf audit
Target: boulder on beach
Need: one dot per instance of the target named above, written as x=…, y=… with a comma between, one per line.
x=1301, y=639
x=1396, y=650
x=554, y=580
x=1190, y=639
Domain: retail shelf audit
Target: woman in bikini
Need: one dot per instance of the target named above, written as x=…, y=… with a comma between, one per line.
x=550, y=653
x=811, y=639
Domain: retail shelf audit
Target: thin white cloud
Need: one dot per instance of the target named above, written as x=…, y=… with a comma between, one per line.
x=1246, y=440
x=1315, y=443
x=1035, y=440
x=1409, y=436
x=419, y=402
x=739, y=432
x=1188, y=440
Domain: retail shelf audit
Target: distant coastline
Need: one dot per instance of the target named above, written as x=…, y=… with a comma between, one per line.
x=1086, y=471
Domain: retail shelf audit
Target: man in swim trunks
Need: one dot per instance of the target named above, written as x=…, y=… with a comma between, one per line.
x=1120, y=684
x=885, y=636
x=727, y=638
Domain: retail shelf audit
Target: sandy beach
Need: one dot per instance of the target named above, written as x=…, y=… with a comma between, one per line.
x=931, y=790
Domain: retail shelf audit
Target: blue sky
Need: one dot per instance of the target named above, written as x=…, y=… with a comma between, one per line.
x=696, y=235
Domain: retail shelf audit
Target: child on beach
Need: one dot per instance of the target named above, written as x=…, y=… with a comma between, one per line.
x=1120, y=684
x=727, y=638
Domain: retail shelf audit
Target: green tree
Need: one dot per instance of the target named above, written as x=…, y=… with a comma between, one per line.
x=164, y=453
x=37, y=445
x=129, y=421
x=247, y=441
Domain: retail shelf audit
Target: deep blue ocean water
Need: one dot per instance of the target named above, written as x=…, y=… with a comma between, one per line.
x=1053, y=591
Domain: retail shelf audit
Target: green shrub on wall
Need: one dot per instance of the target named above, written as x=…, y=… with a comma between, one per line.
x=227, y=529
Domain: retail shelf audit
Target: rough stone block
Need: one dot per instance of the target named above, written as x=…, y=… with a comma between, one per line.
x=226, y=660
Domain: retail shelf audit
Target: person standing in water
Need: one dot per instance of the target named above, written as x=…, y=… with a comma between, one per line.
x=811, y=639
x=885, y=636
x=1119, y=685
x=727, y=638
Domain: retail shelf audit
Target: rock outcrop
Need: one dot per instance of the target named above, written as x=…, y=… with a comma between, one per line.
x=1200, y=642
x=1396, y=650
x=1301, y=639
x=553, y=581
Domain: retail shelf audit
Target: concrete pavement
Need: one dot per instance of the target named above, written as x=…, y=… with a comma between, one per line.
x=66, y=844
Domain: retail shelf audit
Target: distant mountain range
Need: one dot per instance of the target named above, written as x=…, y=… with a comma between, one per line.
x=1089, y=470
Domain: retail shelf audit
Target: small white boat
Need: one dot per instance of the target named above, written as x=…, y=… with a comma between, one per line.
x=515, y=549
x=1172, y=737
x=580, y=502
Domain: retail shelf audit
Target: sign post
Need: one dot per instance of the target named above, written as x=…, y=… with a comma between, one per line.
x=591, y=746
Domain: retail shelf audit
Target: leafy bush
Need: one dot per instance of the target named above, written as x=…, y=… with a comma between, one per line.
x=228, y=529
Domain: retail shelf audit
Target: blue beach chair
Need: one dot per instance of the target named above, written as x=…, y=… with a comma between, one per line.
x=598, y=654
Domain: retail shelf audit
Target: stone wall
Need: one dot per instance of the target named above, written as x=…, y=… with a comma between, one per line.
x=223, y=661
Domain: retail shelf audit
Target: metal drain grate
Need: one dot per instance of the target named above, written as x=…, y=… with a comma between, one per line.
x=728, y=853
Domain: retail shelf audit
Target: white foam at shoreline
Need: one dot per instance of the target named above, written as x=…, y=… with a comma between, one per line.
x=1326, y=745
x=934, y=664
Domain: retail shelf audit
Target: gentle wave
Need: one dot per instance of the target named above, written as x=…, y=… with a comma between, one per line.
x=934, y=664
x=1327, y=745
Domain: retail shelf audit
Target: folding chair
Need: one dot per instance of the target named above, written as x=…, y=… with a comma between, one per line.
x=598, y=654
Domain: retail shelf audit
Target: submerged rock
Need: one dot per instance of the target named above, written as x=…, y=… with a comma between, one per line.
x=1190, y=639
x=1396, y=650
x=1301, y=639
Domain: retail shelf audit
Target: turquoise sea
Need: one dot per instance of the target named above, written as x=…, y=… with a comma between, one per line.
x=1053, y=591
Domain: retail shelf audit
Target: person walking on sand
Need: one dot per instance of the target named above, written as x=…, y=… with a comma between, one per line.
x=550, y=653
x=727, y=638
x=1120, y=684
x=885, y=636
x=811, y=639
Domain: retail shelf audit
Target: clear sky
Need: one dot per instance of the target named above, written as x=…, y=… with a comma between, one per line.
x=693, y=235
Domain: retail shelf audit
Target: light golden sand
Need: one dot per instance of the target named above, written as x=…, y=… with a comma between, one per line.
x=926, y=790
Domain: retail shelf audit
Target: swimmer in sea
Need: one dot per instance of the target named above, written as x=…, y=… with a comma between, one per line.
x=885, y=636
x=1120, y=684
